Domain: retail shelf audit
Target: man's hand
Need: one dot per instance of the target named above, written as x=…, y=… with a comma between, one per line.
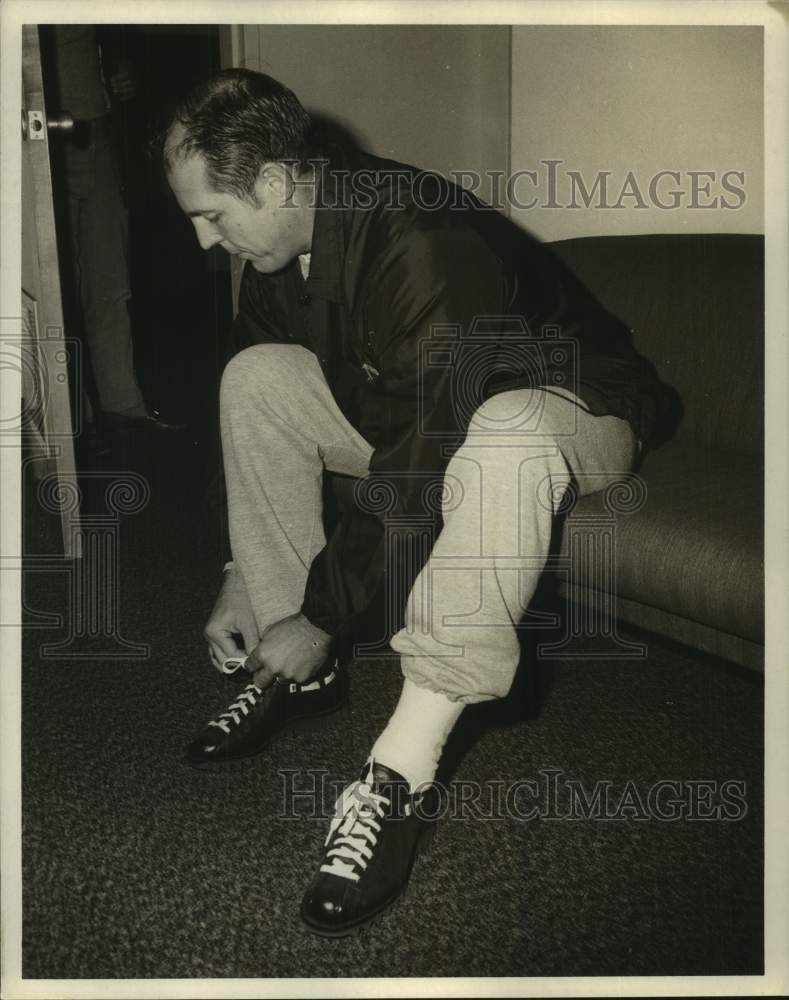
x=292, y=649
x=226, y=621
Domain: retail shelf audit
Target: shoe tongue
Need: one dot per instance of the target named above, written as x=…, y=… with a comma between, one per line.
x=375, y=773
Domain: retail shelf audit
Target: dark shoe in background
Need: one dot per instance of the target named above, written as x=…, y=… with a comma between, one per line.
x=92, y=444
x=122, y=423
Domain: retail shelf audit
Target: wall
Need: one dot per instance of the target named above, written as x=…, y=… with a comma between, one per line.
x=437, y=97
x=434, y=96
x=640, y=99
x=629, y=101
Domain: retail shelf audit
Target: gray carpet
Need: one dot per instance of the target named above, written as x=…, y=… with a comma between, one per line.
x=137, y=866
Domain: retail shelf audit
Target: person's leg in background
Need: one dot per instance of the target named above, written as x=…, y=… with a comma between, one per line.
x=99, y=240
x=459, y=644
x=75, y=161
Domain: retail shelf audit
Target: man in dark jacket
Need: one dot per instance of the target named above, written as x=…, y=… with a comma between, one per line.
x=395, y=331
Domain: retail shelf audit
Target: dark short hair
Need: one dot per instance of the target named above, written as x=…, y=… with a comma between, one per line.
x=237, y=121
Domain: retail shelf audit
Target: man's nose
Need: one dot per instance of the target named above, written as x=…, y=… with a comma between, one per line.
x=207, y=233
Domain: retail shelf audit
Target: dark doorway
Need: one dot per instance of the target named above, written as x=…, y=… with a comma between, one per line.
x=181, y=301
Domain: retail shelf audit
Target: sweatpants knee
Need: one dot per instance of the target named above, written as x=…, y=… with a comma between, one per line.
x=262, y=367
x=525, y=416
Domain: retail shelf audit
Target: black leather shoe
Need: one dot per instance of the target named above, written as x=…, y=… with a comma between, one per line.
x=151, y=421
x=370, y=850
x=255, y=716
x=93, y=443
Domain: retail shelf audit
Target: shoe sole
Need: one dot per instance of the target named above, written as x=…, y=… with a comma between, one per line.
x=423, y=844
x=303, y=723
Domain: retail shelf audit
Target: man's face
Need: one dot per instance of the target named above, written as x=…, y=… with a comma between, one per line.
x=269, y=236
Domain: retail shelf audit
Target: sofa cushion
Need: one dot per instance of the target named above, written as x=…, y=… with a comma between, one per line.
x=696, y=306
x=694, y=548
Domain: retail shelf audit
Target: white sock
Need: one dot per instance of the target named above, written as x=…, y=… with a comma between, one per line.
x=415, y=736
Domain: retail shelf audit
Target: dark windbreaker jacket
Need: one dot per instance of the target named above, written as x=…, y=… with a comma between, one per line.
x=420, y=303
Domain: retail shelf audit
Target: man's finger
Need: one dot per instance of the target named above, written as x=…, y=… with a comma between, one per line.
x=223, y=645
x=263, y=675
x=217, y=655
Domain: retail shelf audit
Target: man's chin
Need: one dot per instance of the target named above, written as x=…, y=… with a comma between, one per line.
x=262, y=264
x=266, y=265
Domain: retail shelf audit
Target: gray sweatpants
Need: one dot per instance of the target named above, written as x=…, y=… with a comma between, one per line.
x=281, y=428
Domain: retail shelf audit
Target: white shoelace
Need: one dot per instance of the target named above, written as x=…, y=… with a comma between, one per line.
x=356, y=824
x=246, y=700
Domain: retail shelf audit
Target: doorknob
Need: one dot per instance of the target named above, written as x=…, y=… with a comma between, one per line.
x=33, y=124
x=62, y=123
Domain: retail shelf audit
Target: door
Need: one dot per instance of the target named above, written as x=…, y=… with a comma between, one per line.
x=47, y=428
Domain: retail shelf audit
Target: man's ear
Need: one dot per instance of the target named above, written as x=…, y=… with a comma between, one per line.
x=275, y=181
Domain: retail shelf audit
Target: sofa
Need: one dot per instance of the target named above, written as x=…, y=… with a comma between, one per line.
x=685, y=553
x=679, y=543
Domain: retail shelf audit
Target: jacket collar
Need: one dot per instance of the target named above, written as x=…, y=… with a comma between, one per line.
x=327, y=255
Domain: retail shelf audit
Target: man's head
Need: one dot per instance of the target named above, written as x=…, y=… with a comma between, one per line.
x=236, y=153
